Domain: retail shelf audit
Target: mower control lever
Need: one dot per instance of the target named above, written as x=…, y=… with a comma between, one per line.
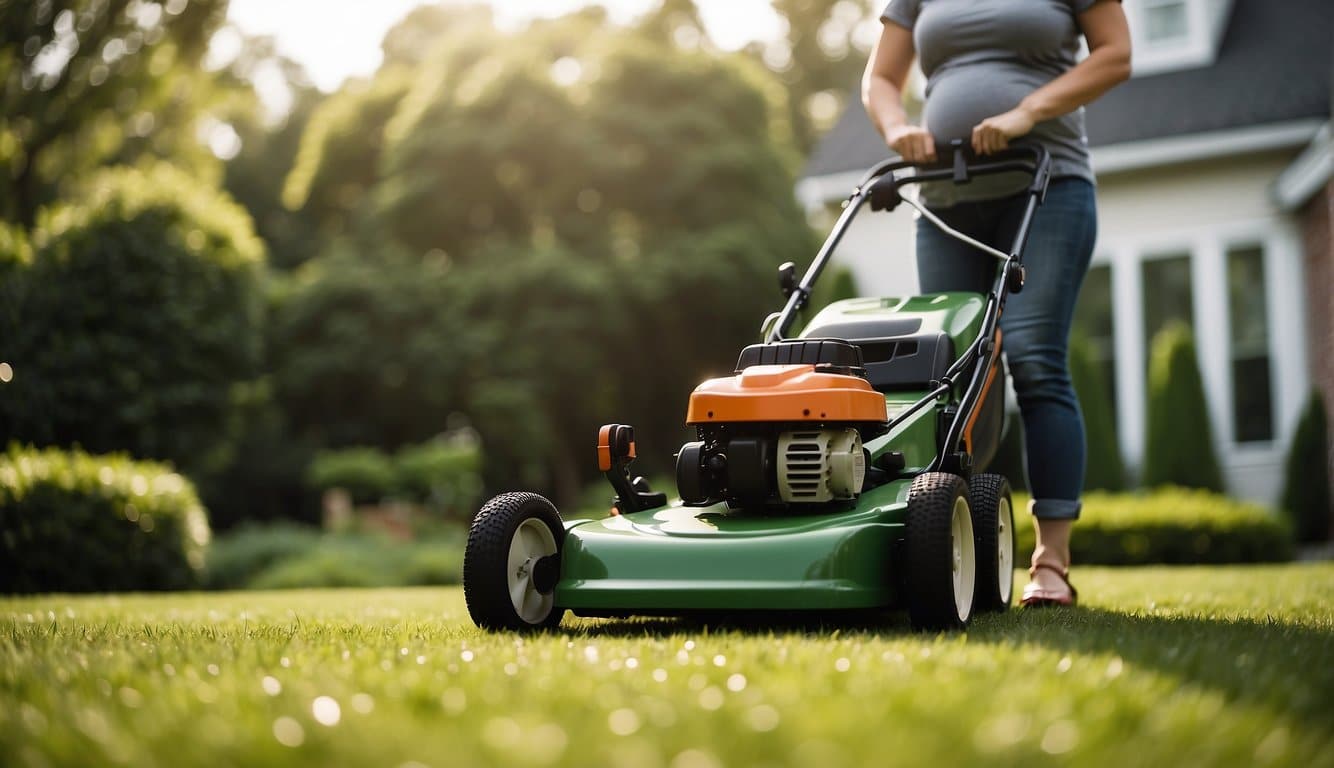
x=787, y=278
x=616, y=449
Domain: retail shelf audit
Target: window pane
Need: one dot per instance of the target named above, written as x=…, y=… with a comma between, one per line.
x=1167, y=295
x=1165, y=21
x=1093, y=319
x=1248, y=316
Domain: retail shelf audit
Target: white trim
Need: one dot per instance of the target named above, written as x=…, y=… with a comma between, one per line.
x=1136, y=155
x=815, y=191
x=1128, y=341
x=1213, y=338
x=1308, y=173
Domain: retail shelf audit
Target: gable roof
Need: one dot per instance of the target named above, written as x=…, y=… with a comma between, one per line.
x=1273, y=66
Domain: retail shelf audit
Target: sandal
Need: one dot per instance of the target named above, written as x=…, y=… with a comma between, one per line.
x=1037, y=597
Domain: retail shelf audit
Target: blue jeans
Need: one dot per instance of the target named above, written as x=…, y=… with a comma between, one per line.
x=1035, y=325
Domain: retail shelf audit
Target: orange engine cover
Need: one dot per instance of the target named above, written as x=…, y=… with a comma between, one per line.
x=781, y=393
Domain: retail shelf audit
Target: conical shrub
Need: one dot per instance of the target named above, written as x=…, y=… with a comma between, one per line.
x=1306, y=495
x=1180, y=447
x=1105, y=471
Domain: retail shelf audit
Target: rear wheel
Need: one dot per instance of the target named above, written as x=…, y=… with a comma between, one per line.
x=512, y=562
x=993, y=529
x=940, y=569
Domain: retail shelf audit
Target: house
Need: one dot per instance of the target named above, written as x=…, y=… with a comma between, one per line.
x=1216, y=207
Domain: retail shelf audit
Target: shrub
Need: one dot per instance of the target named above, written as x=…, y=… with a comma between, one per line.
x=443, y=474
x=235, y=558
x=1306, y=496
x=365, y=473
x=341, y=560
x=285, y=556
x=1168, y=525
x=131, y=319
x=1180, y=446
x=73, y=522
x=1105, y=471
x=345, y=564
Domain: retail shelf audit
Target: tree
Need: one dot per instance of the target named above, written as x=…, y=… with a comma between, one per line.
x=81, y=79
x=1306, y=493
x=1180, y=446
x=254, y=177
x=1105, y=470
x=134, y=320
x=820, y=59
x=338, y=159
x=564, y=229
x=675, y=23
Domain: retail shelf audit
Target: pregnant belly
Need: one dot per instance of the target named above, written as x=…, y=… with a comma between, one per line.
x=961, y=98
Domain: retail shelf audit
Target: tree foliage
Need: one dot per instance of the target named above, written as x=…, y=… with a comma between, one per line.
x=560, y=231
x=1180, y=445
x=820, y=59
x=84, y=81
x=133, y=320
x=255, y=175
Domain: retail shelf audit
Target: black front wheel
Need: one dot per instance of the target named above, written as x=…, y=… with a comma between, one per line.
x=512, y=563
x=940, y=571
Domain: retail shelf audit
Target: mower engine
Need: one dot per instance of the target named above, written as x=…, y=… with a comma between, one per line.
x=787, y=429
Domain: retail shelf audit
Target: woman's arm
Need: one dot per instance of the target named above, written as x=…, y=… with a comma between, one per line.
x=1108, y=63
x=882, y=93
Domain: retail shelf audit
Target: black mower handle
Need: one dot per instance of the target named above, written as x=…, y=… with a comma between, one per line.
x=882, y=183
x=880, y=187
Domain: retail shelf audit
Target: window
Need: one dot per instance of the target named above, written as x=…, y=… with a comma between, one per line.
x=1169, y=35
x=1165, y=21
x=1093, y=320
x=1248, y=321
x=1167, y=295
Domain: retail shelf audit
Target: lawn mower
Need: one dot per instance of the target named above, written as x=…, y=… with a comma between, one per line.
x=838, y=470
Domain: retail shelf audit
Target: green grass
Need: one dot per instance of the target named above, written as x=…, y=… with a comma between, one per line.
x=1188, y=666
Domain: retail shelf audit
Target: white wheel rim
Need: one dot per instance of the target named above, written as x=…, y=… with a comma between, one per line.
x=1005, y=550
x=532, y=541
x=963, y=563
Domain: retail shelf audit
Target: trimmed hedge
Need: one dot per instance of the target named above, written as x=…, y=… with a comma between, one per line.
x=74, y=522
x=444, y=473
x=1167, y=526
x=132, y=316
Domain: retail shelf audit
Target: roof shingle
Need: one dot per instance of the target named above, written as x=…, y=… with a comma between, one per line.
x=1274, y=65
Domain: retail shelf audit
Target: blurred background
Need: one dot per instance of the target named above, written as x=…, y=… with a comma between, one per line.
x=360, y=265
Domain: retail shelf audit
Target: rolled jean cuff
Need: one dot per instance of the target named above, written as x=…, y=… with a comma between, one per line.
x=1054, y=509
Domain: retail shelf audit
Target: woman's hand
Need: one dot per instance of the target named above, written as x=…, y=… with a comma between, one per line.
x=1108, y=63
x=994, y=134
x=913, y=144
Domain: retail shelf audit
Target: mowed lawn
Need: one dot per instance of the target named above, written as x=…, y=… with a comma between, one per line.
x=1161, y=666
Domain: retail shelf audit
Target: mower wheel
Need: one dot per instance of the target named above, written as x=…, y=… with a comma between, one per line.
x=993, y=529
x=512, y=562
x=940, y=563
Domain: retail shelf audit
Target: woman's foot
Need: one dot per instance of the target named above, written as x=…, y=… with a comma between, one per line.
x=1050, y=586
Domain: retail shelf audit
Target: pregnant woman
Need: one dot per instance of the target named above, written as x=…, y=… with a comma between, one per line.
x=998, y=70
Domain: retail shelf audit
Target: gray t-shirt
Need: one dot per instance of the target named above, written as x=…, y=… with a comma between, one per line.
x=981, y=58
